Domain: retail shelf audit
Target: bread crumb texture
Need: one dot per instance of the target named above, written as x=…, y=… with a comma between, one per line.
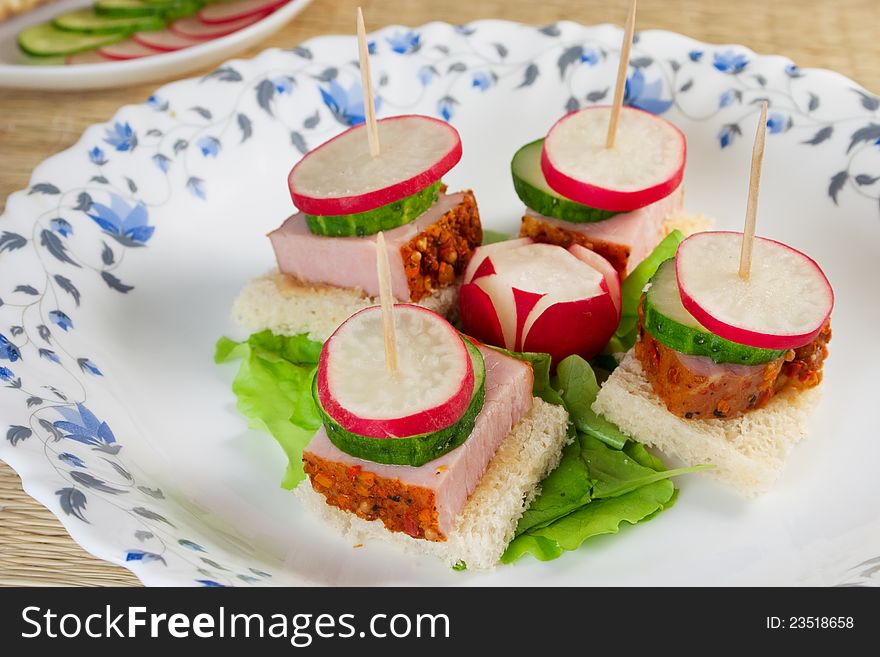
x=287, y=307
x=748, y=452
x=488, y=521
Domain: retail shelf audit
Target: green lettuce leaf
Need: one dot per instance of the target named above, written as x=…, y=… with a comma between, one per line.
x=617, y=473
x=577, y=385
x=493, y=236
x=273, y=387
x=565, y=489
x=541, y=363
x=603, y=516
x=632, y=286
x=603, y=479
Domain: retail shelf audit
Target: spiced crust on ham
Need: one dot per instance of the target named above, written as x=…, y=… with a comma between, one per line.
x=694, y=387
x=434, y=257
x=400, y=507
x=543, y=231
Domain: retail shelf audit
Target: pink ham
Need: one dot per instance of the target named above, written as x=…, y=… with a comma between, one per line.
x=350, y=262
x=639, y=230
x=455, y=475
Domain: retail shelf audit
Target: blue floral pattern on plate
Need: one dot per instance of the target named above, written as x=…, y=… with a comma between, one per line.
x=60, y=429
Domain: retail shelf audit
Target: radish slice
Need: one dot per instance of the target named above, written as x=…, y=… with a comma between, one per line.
x=341, y=177
x=164, y=40
x=430, y=391
x=192, y=27
x=226, y=12
x=645, y=165
x=88, y=57
x=540, y=297
x=480, y=264
x=600, y=264
x=783, y=304
x=128, y=49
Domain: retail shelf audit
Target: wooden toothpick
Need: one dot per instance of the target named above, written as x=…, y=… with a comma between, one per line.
x=745, y=256
x=387, y=301
x=622, y=67
x=367, y=84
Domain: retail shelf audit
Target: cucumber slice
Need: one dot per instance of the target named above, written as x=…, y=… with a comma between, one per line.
x=412, y=450
x=666, y=319
x=533, y=190
x=181, y=9
x=32, y=60
x=168, y=9
x=370, y=222
x=126, y=8
x=89, y=22
x=45, y=39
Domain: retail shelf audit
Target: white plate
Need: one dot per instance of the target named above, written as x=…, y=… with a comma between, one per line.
x=124, y=73
x=167, y=479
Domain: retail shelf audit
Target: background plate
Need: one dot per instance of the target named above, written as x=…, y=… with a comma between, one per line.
x=124, y=73
x=154, y=469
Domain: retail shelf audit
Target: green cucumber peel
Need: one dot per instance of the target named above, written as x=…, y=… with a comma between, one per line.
x=533, y=190
x=385, y=217
x=672, y=326
x=411, y=450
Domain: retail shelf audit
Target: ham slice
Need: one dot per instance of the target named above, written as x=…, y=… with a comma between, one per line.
x=624, y=240
x=425, y=501
x=350, y=262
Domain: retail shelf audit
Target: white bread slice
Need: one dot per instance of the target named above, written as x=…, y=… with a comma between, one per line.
x=488, y=521
x=748, y=452
x=279, y=303
x=687, y=223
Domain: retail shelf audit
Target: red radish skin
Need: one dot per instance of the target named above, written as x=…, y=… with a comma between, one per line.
x=332, y=206
x=524, y=302
x=129, y=49
x=432, y=419
x=226, y=12
x=600, y=264
x=475, y=267
x=743, y=335
x=191, y=27
x=605, y=198
x=478, y=315
x=535, y=322
x=164, y=40
x=486, y=268
x=580, y=327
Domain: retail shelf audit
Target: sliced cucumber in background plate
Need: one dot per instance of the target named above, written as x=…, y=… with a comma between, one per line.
x=47, y=40
x=128, y=8
x=90, y=22
x=386, y=217
x=533, y=190
x=166, y=9
x=671, y=325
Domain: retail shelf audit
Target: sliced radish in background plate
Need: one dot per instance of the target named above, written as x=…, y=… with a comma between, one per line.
x=782, y=305
x=88, y=57
x=129, y=49
x=528, y=296
x=192, y=27
x=225, y=12
x=341, y=177
x=431, y=390
x=165, y=40
x=645, y=165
